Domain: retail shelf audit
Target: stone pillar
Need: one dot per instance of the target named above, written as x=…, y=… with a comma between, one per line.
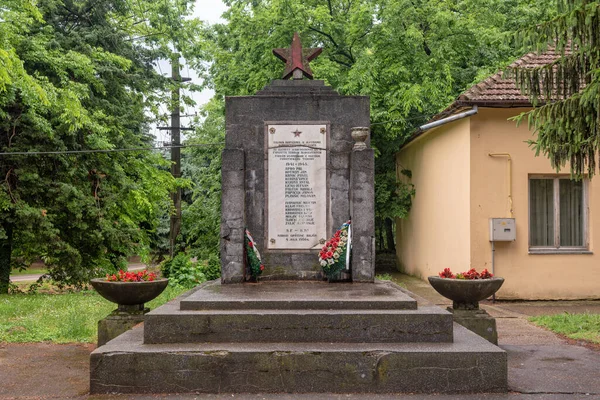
x=118, y=322
x=478, y=321
x=232, y=216
x=362, y=211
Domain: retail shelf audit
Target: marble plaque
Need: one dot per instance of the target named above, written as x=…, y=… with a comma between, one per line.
x=297, y=186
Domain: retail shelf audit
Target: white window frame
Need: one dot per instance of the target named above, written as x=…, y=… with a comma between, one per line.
x=557, y=248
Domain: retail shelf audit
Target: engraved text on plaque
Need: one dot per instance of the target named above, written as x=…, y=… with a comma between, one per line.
x=297, y=186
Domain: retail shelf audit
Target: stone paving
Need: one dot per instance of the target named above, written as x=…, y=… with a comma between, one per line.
x=542, y=366
x=539, y=362
x=511, y=317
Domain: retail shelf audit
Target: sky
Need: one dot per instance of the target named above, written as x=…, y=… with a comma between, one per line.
x=209, y=11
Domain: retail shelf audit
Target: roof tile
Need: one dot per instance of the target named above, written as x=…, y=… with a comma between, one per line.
x=504, y=92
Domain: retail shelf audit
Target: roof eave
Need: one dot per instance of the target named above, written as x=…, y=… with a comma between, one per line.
x=458, y=105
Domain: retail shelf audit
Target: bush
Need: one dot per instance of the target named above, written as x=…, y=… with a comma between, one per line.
x=213, y=267
x=182, y=271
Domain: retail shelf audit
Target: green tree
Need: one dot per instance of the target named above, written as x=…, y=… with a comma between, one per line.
x=77, y=75
x=412, y=57
x=201, y=214
x=566, y=121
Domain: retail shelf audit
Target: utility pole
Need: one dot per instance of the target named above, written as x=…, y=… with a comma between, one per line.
x=175, y=129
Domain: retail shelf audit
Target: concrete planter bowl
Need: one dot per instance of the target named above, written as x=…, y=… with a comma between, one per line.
x=465, y=294
x=129, y=295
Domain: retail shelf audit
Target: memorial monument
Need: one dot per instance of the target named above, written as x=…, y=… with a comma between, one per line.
x=292, y=175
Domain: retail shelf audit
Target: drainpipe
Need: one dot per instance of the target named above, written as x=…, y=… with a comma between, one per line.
x=509, y=161
x=451, y=118
x=510, y=204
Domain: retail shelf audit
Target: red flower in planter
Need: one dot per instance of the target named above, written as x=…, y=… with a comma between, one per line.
x=471, y=274
x=123, y=276
x=485, y=274
x=446, y=273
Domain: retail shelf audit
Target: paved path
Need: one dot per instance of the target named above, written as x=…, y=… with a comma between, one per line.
x=541, y=366
x=539, y=362
x=34, y=277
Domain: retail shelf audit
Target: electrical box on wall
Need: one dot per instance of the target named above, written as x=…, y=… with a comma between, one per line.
x=503, y=230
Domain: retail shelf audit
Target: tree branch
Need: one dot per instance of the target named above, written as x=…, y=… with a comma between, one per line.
x=327, y=35
x=341, y=62
x=14, y=130
x=8, y=185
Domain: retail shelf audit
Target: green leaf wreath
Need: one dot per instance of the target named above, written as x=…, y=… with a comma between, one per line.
x=253, y=256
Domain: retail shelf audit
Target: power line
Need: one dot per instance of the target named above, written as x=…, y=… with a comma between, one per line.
x=42, y=153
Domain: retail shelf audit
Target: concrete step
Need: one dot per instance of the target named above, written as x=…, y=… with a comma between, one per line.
x=469, y=364
x=169, y=324
x=294, y=295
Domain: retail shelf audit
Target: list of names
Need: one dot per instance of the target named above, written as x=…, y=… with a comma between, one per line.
x=296, y=186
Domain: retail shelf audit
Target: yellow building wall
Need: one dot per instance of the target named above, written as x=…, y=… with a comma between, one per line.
x=436, y=234
x=527, y=276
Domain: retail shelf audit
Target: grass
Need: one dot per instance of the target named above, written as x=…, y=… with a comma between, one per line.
x=574, y=326
x=59, y=318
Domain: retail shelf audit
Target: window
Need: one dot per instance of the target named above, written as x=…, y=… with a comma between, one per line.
x=557, y=214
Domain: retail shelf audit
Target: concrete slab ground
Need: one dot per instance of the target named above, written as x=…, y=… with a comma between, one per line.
x=539, y=362
x=41, y=370
x=484, y=396
x=541, y=365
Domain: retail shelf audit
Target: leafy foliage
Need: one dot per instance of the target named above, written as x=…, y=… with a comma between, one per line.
x=182, y=271
x=253, y=261
x=567, y=123
x=78, y=75
x=412, y=57
x=213, y=267
x=201, y=214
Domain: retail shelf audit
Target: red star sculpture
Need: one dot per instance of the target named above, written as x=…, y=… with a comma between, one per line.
x=296, y=59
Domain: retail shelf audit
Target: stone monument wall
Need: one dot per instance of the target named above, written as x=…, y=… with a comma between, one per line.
x=291, y=176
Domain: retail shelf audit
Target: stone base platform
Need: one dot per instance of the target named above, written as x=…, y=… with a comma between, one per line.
x=281, y=337
x=171, y=325
x=470, y=364
x=297, y=295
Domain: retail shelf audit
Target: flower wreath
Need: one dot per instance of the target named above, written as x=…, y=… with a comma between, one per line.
x=333, y=256
x=253, y=256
